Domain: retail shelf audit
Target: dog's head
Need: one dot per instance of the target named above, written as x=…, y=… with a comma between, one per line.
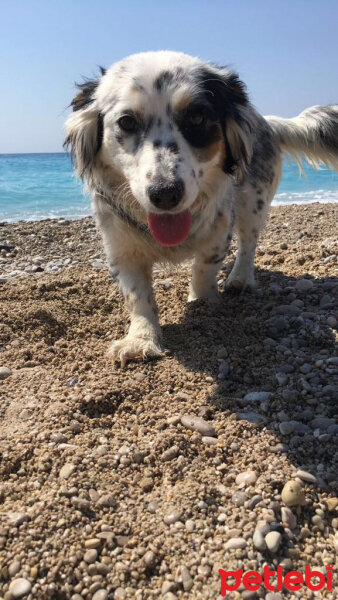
x=160, y=121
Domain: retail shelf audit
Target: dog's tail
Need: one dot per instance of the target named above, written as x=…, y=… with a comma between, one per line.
x=312, y=135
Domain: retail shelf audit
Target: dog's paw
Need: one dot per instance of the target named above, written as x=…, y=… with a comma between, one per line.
x=211, y=295
x=240, y=282
x=134, y=348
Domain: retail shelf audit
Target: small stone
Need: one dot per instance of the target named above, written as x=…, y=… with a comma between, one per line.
x=288, y=517
x=147, y=484
x=292, y=494
x=187, y=580
x=235, y=543
x=170, y=453
x=325, y=301
x=239, y=498
x=304, y=285
x=257, y=396
x=305, y=476
x=92, y=543
x=4, y=373
x=251, y=417
x=20, y=587
x=15, y=519
x=153, y=507
x=100, y=595
x=172, y=517
x=286, y=427
x=66, y=470
x=149, y=558
x=120, y=594
x=14, y=568
x=198, y=424
x=332, y=504
x=258, y=540
x=273, y=541
x=209, y=441
x=90, y=556
x=247, y=477
x=107, y=500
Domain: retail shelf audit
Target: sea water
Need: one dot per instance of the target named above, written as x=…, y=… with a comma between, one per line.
x=40, y=186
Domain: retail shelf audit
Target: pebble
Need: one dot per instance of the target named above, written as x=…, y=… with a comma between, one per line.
x=305, y=476
x=258, y=540
x=172, y=517
x=332, y=504
x=209, y=441
x=292, y=494
x=92, y=543
x=90, y=556
x=304, y=285
x=17, y=518
x=273, y=541
x=288, y=517
x=257, y=396
x=332, y=321
x=147, y=483
x=120, y=594
x=235, y=543
x=239, y=498
x=66, y=470
x=286, y=428
x=325, y=301
x=170, y=453
x=247, y=477
x=14, y=568
x=251, y=417
x=20, y=587
x=187, y=580
x=5, y=372
x=100, y=595
x=198, y=424
x=149, y=558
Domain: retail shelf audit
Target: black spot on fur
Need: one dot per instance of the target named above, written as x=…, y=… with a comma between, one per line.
x=203, y=135
x=227, y=93
x=157, y=144
x=87, y=89
x=163, y=80
x=260, y=203
x=159, y=122
x=173, y=147
x=193, y=174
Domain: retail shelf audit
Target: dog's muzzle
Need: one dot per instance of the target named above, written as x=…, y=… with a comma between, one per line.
x=166, y=195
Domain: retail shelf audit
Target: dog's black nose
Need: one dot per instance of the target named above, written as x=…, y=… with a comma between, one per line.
x=166, y=195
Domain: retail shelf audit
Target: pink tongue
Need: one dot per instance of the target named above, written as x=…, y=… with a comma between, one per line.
x=169, y=229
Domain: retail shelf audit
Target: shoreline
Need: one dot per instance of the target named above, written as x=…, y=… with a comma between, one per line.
x=104, y=488
x=69, y=218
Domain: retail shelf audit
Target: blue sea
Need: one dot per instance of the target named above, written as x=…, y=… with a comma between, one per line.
x=40, y=186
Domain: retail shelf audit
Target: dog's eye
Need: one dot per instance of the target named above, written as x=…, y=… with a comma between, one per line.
x=128, y=123
x=196, y=119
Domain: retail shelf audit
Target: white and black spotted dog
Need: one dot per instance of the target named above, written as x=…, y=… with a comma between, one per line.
x=175, y=155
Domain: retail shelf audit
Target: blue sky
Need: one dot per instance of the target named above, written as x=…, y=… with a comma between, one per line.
x=285, y=50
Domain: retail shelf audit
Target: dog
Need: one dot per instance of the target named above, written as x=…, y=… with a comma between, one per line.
x=175, y=157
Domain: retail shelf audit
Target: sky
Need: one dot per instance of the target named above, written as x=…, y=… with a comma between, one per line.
x=286, y=51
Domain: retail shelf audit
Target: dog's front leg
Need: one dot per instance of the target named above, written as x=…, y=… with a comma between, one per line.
x=144, y=336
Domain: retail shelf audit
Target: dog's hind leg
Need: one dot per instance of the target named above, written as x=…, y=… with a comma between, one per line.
x=209, y=258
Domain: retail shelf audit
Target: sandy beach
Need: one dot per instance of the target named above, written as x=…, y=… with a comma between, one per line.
x=143, y=482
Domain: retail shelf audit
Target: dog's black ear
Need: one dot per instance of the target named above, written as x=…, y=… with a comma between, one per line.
x=228, y=95
x=84, y=127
